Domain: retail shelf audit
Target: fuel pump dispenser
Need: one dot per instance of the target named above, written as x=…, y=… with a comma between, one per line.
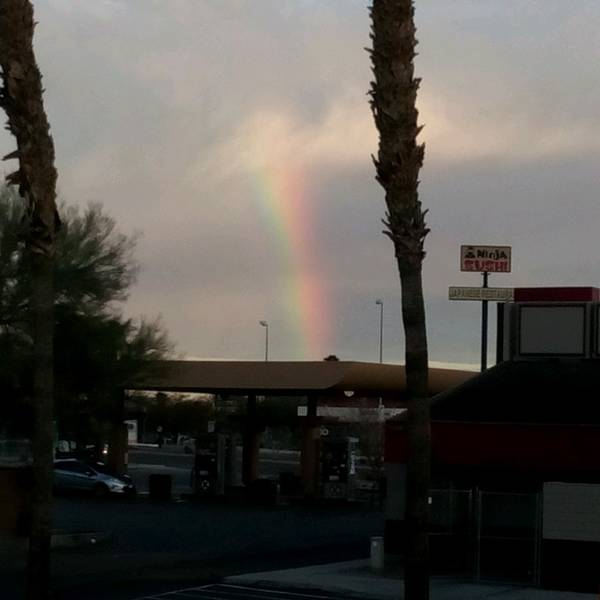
x=212, y=464
x=337, y=466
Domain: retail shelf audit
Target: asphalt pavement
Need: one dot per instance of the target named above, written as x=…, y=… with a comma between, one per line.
x=128, y=547
x=146, y=547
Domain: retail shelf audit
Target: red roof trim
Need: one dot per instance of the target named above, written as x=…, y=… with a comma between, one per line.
x=557, y=294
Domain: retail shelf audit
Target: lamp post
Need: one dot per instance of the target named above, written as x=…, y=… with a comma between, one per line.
x=379, y=302
x=265, y=324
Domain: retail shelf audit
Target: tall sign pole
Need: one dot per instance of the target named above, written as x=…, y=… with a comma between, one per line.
x=484, y=325
x=484, y=260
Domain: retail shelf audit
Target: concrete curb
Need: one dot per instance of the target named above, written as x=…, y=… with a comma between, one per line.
x=60, y=539
x=80, y=538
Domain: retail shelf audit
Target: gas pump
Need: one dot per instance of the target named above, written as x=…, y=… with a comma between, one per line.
x=211, y=460
x=336, y=466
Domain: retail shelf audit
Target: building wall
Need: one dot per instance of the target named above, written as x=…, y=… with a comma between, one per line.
x=505, y=467
x=521, y=446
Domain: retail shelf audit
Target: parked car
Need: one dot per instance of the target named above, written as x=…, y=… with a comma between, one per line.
x=106, y=470
x=75, y=475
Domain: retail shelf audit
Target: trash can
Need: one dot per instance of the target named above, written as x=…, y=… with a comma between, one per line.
x=290, y=484
x=263, y=492
x=160, y=487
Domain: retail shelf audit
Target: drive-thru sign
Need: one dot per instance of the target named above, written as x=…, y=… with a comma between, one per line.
x=485, y=259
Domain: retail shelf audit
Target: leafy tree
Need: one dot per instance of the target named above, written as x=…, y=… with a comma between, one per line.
x=94, y=356
x=96, y=348
x=399, y=160
x=93, y=270
x=94, y=263
x=177, y=413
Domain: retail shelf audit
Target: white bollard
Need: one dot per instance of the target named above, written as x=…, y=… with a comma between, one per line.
x=377, y=553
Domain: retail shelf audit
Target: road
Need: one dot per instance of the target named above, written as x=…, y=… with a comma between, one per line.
x=172, y=460
x=160, y=546
x=144, y=462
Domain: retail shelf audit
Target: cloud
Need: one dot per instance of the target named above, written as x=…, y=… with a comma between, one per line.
x=98, y=9
x=458, y=131
x=343, y=136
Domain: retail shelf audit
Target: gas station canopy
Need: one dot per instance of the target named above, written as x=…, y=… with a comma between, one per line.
x=287, y=378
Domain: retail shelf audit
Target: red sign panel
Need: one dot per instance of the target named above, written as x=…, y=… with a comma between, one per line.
x=490, y=259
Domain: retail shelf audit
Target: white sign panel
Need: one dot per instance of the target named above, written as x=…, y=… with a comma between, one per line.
x=480, y=293
x=132, y=431
x=571, y=512
x=490, y=259
x=552, y=330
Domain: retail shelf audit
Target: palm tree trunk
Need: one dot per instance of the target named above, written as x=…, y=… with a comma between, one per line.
x=42, y=298
x=400, y=157
x=21, y=98
x=419, y=438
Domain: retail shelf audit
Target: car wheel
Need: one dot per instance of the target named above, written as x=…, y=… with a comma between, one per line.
x=101, y=491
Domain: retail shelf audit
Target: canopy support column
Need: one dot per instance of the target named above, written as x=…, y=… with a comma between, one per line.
x=251, y=443
x=309, y=456
x=117, y=442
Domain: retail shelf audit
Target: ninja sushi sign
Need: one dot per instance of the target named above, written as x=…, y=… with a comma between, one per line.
x=485, y=259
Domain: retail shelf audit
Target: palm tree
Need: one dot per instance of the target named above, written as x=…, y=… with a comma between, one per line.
x=21, y=98
x=400, y=157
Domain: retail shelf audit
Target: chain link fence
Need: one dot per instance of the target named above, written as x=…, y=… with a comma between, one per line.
x=490, y=536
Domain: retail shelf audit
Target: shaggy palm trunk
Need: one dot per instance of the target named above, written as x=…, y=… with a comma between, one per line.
x=42, y=298
x=400, y=157
x=21, y=98
x=419, y=437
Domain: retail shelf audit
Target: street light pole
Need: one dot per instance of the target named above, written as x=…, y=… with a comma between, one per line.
x=265, y=324
x=379, y=302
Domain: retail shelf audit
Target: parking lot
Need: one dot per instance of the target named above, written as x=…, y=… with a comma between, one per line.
x=146, y=544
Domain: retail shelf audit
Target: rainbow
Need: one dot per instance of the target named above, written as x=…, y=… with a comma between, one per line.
x=284, y=202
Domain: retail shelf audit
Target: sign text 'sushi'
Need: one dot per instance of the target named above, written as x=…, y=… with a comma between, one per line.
x=493, y=259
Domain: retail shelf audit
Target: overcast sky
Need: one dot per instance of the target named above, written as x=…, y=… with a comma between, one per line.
x=236, y=136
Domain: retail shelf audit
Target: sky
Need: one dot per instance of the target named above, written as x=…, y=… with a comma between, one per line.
x=235, y=136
